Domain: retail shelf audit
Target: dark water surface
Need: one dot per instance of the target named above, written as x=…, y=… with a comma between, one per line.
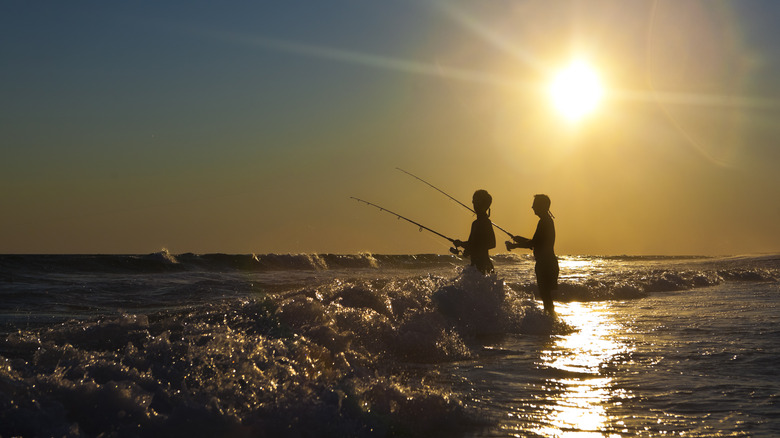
x=371, y=345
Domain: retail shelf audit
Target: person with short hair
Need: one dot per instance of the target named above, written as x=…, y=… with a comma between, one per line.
x=542, y=244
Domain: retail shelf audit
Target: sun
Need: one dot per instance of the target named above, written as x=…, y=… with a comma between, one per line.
x=576, y=91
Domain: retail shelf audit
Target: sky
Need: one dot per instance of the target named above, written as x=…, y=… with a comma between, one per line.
x=246, y=126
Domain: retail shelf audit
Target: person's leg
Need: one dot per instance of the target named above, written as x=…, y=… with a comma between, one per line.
x=485, y=266
x=546, y=295
x=545, y=291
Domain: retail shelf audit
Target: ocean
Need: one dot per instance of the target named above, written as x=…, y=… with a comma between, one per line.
x=370, y=345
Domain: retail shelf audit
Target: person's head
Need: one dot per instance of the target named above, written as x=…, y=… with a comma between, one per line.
x=481, y=201
x=541, y=204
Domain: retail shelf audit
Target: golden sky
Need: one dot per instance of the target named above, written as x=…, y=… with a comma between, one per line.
x=127, y=128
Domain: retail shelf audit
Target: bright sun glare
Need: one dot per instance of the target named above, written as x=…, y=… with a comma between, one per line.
x=576, y=90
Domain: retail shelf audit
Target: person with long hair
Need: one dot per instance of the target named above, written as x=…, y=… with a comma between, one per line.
x=482, y=238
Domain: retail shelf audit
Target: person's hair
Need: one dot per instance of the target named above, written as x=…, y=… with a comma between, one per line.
x=543, y=201
x=483, y=199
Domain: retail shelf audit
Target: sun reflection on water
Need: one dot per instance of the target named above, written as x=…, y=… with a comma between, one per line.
x=575, y=268
x=578, y=406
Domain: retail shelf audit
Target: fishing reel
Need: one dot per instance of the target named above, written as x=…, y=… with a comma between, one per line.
x=455, y=251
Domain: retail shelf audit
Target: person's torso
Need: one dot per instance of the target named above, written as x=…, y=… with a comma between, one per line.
x=482, y=237
x=544, y=239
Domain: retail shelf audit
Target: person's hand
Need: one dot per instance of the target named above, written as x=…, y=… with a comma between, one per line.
x=458, y=243
x=521, y=242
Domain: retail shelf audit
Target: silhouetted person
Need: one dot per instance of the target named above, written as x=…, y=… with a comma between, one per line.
x=542, y=243
x=482, y=239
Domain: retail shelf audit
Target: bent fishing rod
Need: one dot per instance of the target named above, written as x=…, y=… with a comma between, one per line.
x=453, y=250
x=447, y=195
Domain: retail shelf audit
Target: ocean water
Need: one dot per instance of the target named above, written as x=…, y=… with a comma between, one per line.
x=387, y=345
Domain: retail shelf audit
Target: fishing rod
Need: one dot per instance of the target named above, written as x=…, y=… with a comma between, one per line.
x=422, y=227
x=445, y=194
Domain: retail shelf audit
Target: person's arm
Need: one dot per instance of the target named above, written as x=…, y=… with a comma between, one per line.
x=465, y=244
x=480, y=237
x=522, y=242
x=519, y=242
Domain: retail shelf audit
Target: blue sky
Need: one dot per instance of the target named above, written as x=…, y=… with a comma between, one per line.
x=244, y=127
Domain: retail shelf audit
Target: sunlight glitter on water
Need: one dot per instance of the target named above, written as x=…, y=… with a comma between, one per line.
x=573, y=268
x=579, y=404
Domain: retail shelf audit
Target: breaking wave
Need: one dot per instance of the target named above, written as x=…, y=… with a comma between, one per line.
x=281, y=345
x=343, y=359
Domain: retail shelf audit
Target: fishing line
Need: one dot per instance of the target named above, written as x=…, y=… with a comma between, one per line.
x=447, y=195
x=422, y=227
